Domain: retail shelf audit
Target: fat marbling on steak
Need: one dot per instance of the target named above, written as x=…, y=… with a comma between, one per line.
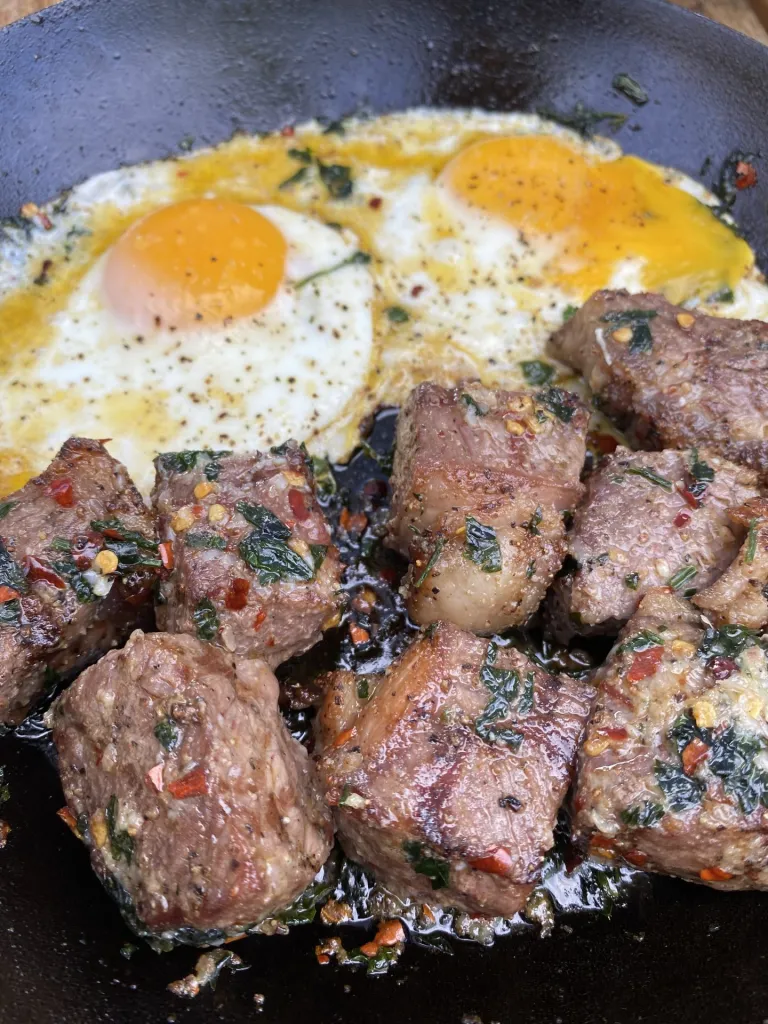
x=649, y=519
x=480, y=483
x=672, y=377
x=447, y=773
x=254, y=567
x=199, y=809
x=673, y=774
x=78, y=564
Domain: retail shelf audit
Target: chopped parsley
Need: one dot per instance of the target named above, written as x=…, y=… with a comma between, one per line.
x=533, y=524
x=337, y=179
x=120, y=842
x=295, y=179
x=426, y=863
x=642, y=641
x=304, y=156
x=644, y=815
x=67, y=569
x=569, y=313
x=205, y=619
x=751, y=548
x=472, y=404
x=6, y=506
x=651, y=476
x=363, y=688
x=638, y=321
x=323, y=474
x=724, y=294
x=684, y=731
x=358, y=258
x=318, y=553
x=537, y=372
x=264, y=549
x=481, y=545
x=530, y=571
x=632, y=580
x=583, y=120
x=10, y=613
x=726, y=642
x=502, y=684
x=732, y=759
x=167, y=733
x=186, y=461
x=627, y=85
x=560, y=403
x=11, y=573
x=397, y=315
x=680, y=791
x=702, y=474
x=201, y=539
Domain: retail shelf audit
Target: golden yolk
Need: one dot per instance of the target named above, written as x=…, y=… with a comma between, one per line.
x=193, y=263
x=598, y=214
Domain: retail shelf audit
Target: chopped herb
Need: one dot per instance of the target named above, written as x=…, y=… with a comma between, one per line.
x=426, y=863
x=201, y=539
x=682, y=576
x=470, y=403
x=10, y=613
x=726, y=642
x=303, y=910
x=265, y=550
x=304, y=156
x=337, y=179
x=530, y=572
x=726, y=187
x=681, y=791
x=323, y=474
x=631, y=89
x=651, y=476
x=642, y=641
x=632, y=580
x=384, y=459
x=356, y=259
x=115, y=526
x=569, y=312
x=439, y=545
x=533, y=524
x=584, y=120
x=560, y=403
x=205, y=619
x=644, y=815
x=61, y=544
x=187, y=143
x=295, y=179
x=722, y=295
x=120, y=842
x=537, y=372
x=266, y=522
x=684, y=730
x=751, y=549
x=638, y=320
x=732, y=759
x=502, y=684
x=481, y=545
x=5, y=507
x=318, y=553
x=397, y=315
x=363, y=688
x=186, y=461
x=702, y=474
x=335, y=128
x=76, y=579
x=167, y=733
x=11, y=573
x=131, y=555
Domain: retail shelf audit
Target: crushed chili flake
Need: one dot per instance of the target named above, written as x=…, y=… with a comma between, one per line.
x=389, y=933
x=298, y=502
x=714, y=875
x=693, y=754
x=69, y=820
x=746, y=175
x=645, y=664
x=375, y=202
x=237, y=594
x=353, y=522
x=165, y=550
x=417, y=290
x=497, y=862
x=344, y=737
x=287, y=131
x=8, y=594
x=260, y=616
x=636, y=857
x=38, y=572
x=191, y=784
x=61, y=492
x=357, y=634
x=682, y=518
x=690, y=498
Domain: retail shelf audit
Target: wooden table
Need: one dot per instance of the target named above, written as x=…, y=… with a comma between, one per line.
x=739, y=14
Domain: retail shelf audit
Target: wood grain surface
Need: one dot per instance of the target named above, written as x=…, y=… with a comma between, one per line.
x=743, y=15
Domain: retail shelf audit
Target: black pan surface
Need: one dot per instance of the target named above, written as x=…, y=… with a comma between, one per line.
x=95, y=83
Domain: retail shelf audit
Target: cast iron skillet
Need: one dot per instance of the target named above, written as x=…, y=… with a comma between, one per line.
x=92, y=84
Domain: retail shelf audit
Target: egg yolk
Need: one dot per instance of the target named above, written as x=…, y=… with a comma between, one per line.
x=598, y=214
x=193, y=263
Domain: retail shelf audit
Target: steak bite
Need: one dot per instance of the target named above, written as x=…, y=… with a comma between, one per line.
x=254, y=568
x=199, y=809
x=673, y=775
x=739, y=595
x=480, y=483
x=649, y=519
x=673, y=378
x=78, y=564
x=448, y=771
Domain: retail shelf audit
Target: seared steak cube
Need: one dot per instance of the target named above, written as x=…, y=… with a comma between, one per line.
x=78, y=564
x=447, y=773
x=673, y=774
x=649, y=519
x=254, y=568
x=740, y=595
x=671, y=377
x=198, y=807
x=480, y=482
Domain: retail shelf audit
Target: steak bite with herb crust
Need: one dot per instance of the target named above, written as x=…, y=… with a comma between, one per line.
x=200, y=811
x=740, y=595
x=672, y=377
x=649, y=519
x=447, y=773
x=673, y=774
x=480, y=483
x=78, y=564
x=254, y=570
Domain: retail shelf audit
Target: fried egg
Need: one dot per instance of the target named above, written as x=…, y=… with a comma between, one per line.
x=287, y=285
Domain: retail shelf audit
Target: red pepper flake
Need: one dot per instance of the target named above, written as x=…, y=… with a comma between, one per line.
x=191, y=784
x=636, y=857
x=182, y=174
x=287, y=131
x=645, y=664
x=497, y=862
x=298, y=503
x=353, y=522
x=155, y=777
x=61, y=492
x=237, y=595
x=358, y=635
x=8, y=594
x=38, y=572
x=602, y=845
x=165, y=550
x=746, y=175
x=344, y=737
x=606, y=444
x=260, y=616
x=417, y=290
x=69, y=820
x=693, y=754
x=682, y=518
x=722, y=667
x=691, y=499
x=389, y=933
x=375, y=202
x=714, y=875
